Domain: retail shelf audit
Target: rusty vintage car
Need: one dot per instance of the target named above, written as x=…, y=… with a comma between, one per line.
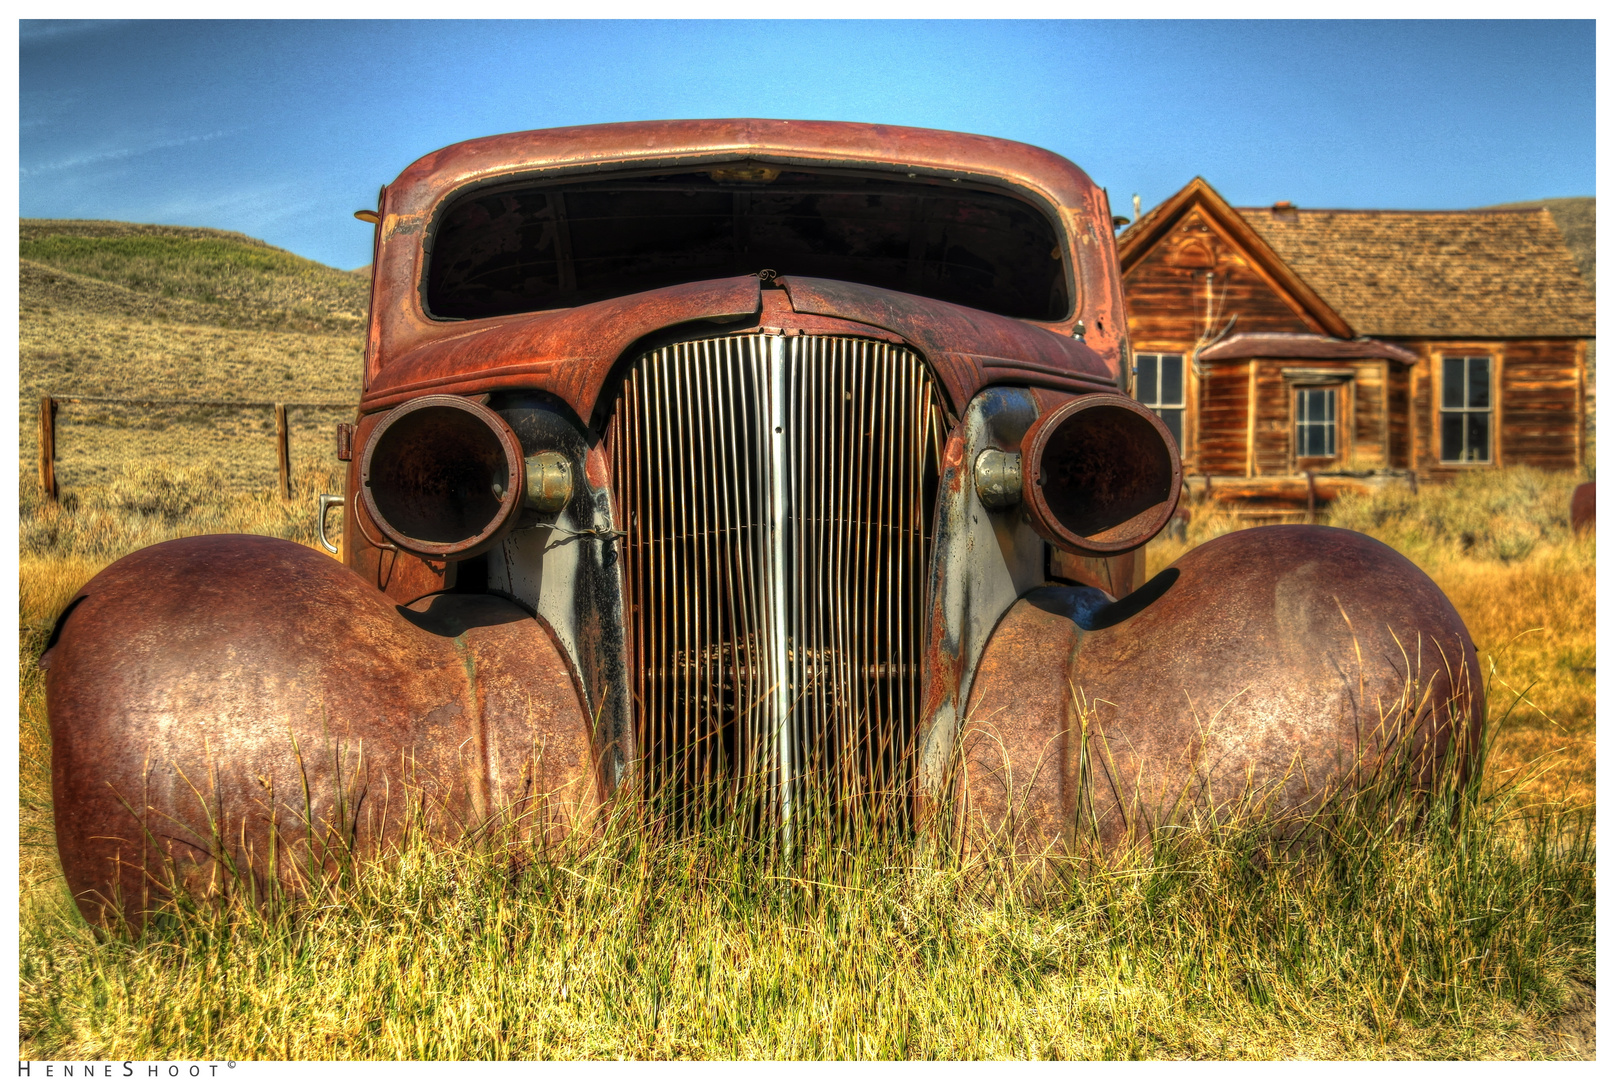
x=697, y=458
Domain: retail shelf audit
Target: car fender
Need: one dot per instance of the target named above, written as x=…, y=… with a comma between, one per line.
x=1263, y=669
x=235, y=709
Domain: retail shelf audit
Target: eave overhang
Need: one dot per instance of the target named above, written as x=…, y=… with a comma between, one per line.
x=1135, y=242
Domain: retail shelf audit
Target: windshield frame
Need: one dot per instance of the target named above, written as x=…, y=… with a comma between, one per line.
x=940, y=179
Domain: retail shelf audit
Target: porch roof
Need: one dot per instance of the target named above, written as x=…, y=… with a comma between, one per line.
x=1305, y=347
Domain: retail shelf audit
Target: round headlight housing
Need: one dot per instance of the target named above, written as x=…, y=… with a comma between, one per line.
x=1102, y=475
x=443, y=477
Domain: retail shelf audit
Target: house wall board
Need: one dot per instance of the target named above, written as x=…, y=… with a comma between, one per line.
x=1223, y=407
x=1397, y=380
x=1167, y=297
x=1540, y=388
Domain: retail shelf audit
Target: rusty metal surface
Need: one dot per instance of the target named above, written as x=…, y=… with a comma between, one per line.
x=198, y=685
x=1116, y=575
x=1101, y=475
x=566, y=567
x=402, y=576
x=777, y=493
x=984, y=559
x=1273, y=662
x=567, y=352
x=570, y=352
x=443, y=477
x=1015, y=741
x=968, y=349
x=408, y=204
x=562, y=351
x=1583, y=507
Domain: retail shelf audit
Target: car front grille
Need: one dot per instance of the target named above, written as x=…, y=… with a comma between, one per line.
x=778, y=496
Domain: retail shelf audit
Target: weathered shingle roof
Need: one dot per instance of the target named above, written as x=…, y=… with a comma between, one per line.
x=1435, y=273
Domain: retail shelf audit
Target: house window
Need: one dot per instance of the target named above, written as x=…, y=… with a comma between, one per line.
x=1315, y=422
x=1466, y=408
x=1160, y=386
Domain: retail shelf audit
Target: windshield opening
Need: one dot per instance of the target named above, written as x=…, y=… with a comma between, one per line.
x=531, y=248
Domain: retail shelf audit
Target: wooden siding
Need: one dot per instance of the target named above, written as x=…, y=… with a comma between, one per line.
x=1224, y=405
x=1167, y=296
x=1536, y=403
x=1273, y=420
x=1540, y=388
x=1389, y=412
x=1360, y=437
x=1396, y=415
x=1368, y=448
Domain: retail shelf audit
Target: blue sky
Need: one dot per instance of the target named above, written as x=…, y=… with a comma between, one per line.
x=282, y=129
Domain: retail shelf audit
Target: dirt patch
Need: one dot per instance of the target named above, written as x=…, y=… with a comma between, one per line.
x=1574, y=1029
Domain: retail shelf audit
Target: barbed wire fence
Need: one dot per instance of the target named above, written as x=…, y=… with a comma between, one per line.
x=84, y=441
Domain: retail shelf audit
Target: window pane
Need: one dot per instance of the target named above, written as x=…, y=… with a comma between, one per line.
x=1173, y=419
x=1479, y=442
x=1480, y=382
x=1146, y=379
x=1329, y=430
x=1452, y=436
x=1171, y=380
x=1328, y=406
x=1452, y=384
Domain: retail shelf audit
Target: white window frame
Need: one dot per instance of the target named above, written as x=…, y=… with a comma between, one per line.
x=1330, y=423
x=1464, y=410
x=1155, y=403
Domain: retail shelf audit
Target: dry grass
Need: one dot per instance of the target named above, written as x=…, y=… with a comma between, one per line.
x=1465, y=939
x=1400, y=948
x=147, y=504
x=124, y=311
x=214, y=276
x=70, y=352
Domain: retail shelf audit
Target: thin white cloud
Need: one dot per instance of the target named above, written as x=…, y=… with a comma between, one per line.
x=253, y=211
x=119, y=153
x=34, y=31
x=43, y=108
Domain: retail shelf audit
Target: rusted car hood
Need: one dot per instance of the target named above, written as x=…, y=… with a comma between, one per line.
x=399, y=328
x=570, y=352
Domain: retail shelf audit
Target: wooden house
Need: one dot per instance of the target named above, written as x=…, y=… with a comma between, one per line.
x=1299, y=352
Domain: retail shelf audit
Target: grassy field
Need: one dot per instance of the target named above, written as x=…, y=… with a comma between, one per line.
x=1470, y=936
x=145, y=311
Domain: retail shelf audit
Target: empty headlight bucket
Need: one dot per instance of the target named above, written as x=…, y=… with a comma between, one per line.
x=1102, y=475
x=443, y=477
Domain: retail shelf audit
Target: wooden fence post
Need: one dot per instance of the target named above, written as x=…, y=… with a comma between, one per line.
x=47, y=448
x=283, y=452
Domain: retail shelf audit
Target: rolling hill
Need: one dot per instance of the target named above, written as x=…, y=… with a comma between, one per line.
x=109, y=309
x=1577, y=219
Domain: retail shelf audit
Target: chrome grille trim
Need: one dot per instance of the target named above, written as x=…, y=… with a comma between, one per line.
x=778, y=494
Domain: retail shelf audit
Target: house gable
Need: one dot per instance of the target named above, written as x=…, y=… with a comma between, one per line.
x=1166, y=259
